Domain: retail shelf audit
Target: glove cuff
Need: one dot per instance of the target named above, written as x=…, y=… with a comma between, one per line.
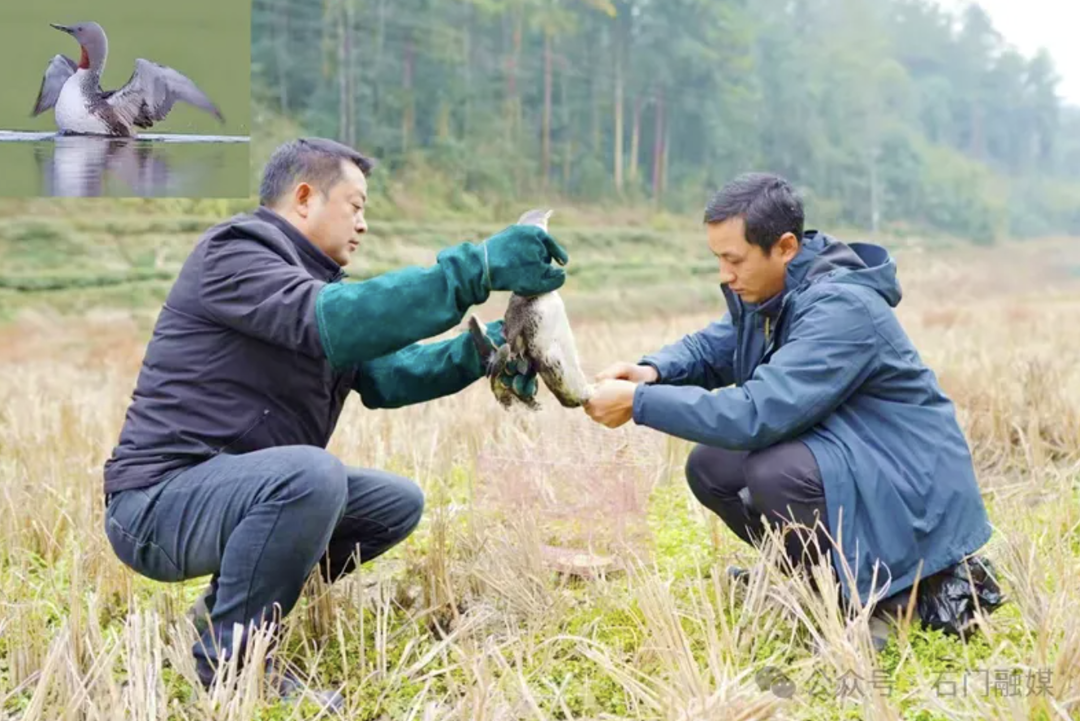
x=467, y=265
x=487, y=269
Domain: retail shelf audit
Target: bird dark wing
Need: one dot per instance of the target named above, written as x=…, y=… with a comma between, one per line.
x=60, y=69
x=151, y=93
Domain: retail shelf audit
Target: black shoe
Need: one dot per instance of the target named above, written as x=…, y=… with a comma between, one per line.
x=292, y=688
x=883, y=623
x=881, y=630
x=285, y=684
x=737, y=573
x=199, y=613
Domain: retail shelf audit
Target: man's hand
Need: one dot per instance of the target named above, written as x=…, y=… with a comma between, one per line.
x=629, y=372
x=612, y=403
x=522, y=383
x=519, y=379
x=519, y=258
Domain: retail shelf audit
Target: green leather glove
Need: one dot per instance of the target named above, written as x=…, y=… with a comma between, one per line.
x=423, y=371
x=361, y=321
x=519, y=258
x=495, y=334
x=521, y=380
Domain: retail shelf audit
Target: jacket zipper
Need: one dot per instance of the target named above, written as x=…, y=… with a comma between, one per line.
x=770, y=343
x=737, y=320
x=738, y=350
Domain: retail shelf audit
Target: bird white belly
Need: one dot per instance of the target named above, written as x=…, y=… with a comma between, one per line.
x=553, y=334
x=72, y=113
x=553, y=326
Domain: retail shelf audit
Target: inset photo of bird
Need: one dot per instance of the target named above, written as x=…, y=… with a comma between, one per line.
x=171, y=80
x=73, y=90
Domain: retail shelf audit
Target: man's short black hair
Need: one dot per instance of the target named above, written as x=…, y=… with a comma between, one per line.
x=307, y=160
x=767, y=203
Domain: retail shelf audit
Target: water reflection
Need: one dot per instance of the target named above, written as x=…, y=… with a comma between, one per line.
x=91, y=166
x=79, y=166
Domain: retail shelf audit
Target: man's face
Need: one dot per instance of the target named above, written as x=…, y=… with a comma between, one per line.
x=744, y=267
x=335, y=221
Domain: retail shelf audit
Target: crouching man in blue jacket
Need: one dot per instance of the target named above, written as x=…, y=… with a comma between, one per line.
x=221, y=468
x=809, y=401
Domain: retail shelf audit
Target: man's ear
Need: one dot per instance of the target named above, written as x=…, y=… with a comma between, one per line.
x=303, y=195
x=788, y=246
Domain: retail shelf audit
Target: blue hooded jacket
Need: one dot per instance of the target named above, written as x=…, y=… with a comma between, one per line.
x=827, y=362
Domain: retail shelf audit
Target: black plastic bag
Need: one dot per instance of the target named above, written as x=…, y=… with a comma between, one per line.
x=947, y=600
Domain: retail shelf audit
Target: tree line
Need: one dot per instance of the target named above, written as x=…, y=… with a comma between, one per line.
x=889, y=114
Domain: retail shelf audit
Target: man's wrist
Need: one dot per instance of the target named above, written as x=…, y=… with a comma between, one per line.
x=655, y=372
x=637, y=403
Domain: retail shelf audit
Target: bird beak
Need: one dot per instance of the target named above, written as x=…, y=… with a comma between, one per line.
x=63, y=28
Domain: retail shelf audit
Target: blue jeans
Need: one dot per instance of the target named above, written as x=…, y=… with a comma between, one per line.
x=258, y=523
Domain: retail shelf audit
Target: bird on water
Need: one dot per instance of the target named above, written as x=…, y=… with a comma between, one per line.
x=82, y=107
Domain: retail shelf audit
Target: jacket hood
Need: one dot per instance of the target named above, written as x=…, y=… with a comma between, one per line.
x=864, y=264
x=822, y=258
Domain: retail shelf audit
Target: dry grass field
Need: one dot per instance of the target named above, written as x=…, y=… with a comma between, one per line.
x=475, y=616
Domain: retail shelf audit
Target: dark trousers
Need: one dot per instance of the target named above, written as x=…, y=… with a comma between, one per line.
x=258, y=523
x=781, y=482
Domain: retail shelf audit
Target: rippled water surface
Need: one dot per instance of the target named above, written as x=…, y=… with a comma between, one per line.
x=37, y=164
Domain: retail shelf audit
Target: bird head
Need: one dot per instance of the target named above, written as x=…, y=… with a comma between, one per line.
x=92, y=40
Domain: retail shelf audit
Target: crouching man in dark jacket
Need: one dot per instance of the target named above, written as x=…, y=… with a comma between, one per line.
x=810, y=404
x=221, y=467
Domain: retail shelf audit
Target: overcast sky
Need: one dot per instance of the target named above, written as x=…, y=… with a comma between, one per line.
x=1031, y=24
